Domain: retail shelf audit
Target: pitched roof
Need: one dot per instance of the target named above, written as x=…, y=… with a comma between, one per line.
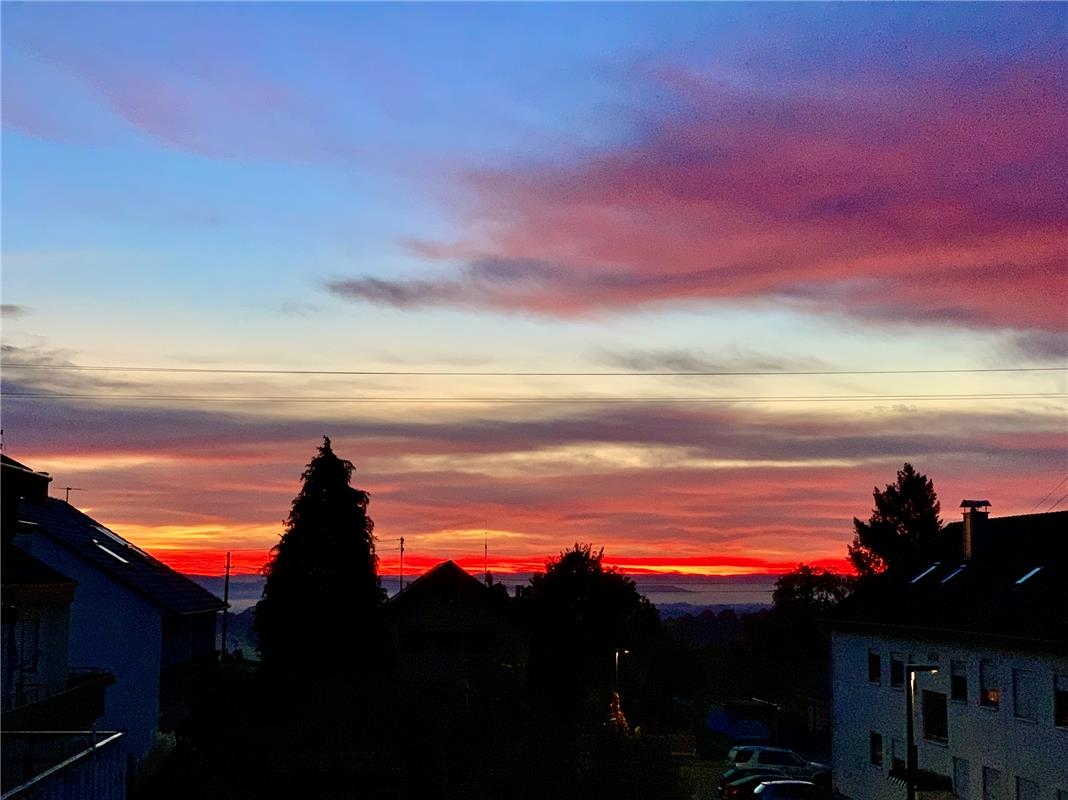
x=17, y=567
x=446, y=582
x=1014, y=588
x=111, y=554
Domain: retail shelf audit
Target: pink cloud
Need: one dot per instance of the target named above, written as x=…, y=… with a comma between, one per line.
x=941, y=197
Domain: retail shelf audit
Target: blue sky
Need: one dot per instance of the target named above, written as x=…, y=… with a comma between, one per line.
x=533, y=187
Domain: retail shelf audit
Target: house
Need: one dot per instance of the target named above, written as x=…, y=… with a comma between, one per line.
x=447, y=627
x=978, y=636
x=136, y=618
x=48, y=709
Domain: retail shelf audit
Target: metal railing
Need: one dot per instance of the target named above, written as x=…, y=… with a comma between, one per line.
x=63, y=765
x=25, y=693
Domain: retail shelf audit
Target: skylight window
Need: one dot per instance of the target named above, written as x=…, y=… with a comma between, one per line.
x=118, y=539
x=1030, y=574
x=927, y=572
x=111, y=553
x=953, y=574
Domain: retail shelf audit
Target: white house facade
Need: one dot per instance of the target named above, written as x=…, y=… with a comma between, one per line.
x=149, y=626
x=986, y=639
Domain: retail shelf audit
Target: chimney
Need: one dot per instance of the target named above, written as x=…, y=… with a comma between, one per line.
x=976, y=513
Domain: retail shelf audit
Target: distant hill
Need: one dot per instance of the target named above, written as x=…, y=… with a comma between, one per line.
x=673, y=595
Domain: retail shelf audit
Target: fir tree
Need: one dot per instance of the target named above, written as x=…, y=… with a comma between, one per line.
x=322, y=583
x=903, y=526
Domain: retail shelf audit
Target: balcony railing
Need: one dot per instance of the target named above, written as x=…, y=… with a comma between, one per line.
x=73, y=703
x=63, y=765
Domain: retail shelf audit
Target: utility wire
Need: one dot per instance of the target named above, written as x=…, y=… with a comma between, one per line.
x=1048, y=494
x=1063, y=498
x=538, y=400
x=510, y=373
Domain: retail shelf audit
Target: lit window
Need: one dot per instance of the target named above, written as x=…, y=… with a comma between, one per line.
x=935, y=717
x=1060, y=701
x=1025, y=691
x=875, y=667
x=989, y=687
x=875, y=749
x=897, y=669
x=958, y=681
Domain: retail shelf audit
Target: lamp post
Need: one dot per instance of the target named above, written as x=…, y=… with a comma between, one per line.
x=910, y=733
x=626, y=653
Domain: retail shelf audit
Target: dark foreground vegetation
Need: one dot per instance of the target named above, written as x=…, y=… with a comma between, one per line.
x=600, y=698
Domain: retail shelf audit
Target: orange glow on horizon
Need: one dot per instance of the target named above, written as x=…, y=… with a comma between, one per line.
x=251, y=562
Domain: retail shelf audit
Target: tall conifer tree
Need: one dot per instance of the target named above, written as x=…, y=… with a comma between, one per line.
x=322, y=582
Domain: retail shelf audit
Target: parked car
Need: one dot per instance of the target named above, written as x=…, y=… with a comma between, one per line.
x=776, y=758
x=735, y=774
x=746, y=782
x=790, y=790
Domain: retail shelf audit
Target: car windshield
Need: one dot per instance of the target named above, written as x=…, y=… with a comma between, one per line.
x=740, y=754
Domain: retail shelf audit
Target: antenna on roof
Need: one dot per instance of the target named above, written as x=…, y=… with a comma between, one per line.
x=68, y=490
x=485, y=556
x=401, y=587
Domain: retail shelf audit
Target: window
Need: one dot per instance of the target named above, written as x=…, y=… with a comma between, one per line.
x=962, y=779
x=875, y=668
x=897, y=669
x=927, y=572
x=989, y=689
x=27, y=637
x=958, y=681
x=875, y=749
x=779, y=758
x=935, y=717
x=1025, y=692
x=1060, y=701
x=1028, y=576
x=1025, y=789
x=897, y=754
x=953, y=574
x=991, y=784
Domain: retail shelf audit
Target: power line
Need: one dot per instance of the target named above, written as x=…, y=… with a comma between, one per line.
x=514, y=373
x=538, y=400
x=1063, y=498
x=1048, y=494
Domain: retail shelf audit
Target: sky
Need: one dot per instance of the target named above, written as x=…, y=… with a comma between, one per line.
x=846, y=217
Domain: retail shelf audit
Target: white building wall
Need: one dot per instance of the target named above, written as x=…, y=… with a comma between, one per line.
x=116, y=629
x=985, y=737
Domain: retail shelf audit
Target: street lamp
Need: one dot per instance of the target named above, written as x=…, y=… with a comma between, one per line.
x=624, y=652
x=910, y=735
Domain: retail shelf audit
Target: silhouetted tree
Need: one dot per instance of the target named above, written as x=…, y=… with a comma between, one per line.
x=903, y=524
x=322, y=584
x=810, y=591
x=581, y=612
